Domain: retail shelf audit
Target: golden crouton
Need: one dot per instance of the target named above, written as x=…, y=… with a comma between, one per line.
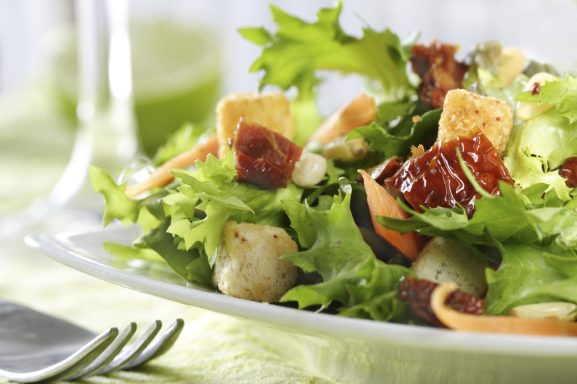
x=466, y=113
x=271, y=110
x=248, y=264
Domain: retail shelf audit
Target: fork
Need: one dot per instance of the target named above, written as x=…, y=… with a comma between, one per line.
x=37, y=347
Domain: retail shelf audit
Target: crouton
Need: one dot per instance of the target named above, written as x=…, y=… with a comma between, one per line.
x=361, y=111
x=466, y=113
x=248, y=263
x=271, y=110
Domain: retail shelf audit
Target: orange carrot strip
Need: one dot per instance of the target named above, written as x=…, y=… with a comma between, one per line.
x=381, y=203
x=496, y=324
x=162, y=176
x=361, y=111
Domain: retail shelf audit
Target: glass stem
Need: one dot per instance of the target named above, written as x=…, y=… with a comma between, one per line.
x=106, y=135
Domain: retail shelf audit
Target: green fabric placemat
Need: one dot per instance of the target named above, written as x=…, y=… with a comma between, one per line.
x=35, y=143
x=212, y=348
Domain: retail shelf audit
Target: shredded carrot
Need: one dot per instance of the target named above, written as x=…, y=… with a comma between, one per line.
x=162, y=175
x=495, y=324
x=381, y=203
x=361, y=111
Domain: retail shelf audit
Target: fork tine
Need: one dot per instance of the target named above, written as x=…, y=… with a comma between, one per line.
x=131, y=352
x=160, y=345
x=109, y=354
x=74, y=363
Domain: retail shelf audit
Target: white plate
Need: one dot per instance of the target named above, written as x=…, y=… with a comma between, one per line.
x=351, y=350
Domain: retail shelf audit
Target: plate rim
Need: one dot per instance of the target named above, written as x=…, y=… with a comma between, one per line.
x=62, y=248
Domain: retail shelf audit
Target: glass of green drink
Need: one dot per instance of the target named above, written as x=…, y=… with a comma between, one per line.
x=176, y=76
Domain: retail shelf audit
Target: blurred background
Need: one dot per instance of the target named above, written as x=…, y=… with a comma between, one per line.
x=187, y=53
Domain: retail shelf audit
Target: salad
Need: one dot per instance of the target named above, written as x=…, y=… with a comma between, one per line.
x=443, y=196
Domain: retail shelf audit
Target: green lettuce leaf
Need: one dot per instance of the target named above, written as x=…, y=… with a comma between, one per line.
x=351, y=275
x=298, y=49
x=561, y=94
x=209, y=196
x=191, y=264
x=538, y=147
x=530, y=274
x=549, y=137
x=394, y=132
x=118, y=206
x=128, y=252
x=147, y=213
x=495, y=220
x=531, y=216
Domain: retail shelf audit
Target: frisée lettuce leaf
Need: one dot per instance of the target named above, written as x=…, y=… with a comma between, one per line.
x=541, y=144
x=352, y=276
x=209, y=196
x=561, y=94
x=118, y=206
x=531, y=274
x=191, y=264
x=298, y=49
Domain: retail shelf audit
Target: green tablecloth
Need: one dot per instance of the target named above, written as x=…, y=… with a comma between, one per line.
x=213, y=348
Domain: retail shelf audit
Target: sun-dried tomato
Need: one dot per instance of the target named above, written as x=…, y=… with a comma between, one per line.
x=418, y=294
x=436, y=179
x=536, y=89
x=386, y=169
x=263, y=157
x=569, y=171
x=439, y=71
